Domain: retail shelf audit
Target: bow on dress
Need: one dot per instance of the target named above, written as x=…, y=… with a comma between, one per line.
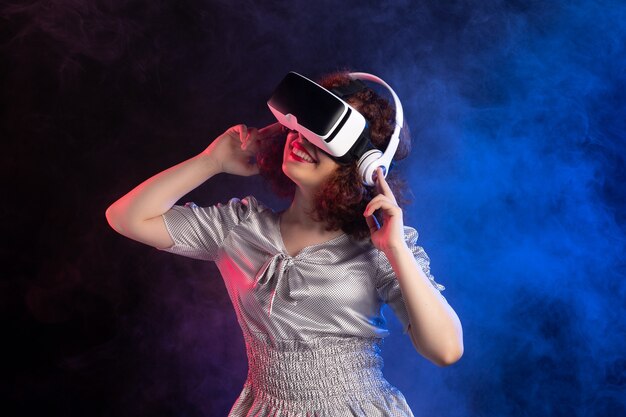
x=277, y=275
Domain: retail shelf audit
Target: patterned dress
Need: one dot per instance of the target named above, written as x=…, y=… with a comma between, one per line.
x=312, y=323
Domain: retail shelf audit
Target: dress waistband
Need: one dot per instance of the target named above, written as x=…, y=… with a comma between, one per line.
x=333, y=370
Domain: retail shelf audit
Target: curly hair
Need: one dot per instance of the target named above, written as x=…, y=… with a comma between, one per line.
x=341, y=200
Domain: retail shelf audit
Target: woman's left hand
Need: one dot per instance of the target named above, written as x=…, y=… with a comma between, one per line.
x=389, y=236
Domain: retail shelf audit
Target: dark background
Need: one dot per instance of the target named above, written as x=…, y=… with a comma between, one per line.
x=517, y=111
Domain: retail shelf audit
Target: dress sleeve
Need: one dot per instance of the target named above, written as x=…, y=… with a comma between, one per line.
x=199, y=232
x=387, y=283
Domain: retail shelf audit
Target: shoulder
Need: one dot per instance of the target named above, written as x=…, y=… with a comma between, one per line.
x=251, y=213
x=384, y=268
x=229, y=214
x=410, y=235
x=253, y=206
x=245, y=207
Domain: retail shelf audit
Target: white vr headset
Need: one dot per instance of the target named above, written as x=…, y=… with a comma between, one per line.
x=331, y=124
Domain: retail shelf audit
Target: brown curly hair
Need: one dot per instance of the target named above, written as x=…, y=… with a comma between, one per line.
x=341, y=200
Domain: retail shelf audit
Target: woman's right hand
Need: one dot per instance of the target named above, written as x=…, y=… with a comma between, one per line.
x=234, y=152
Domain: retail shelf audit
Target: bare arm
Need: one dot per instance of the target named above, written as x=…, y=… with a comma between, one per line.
x=435, y=328
x=137, y=214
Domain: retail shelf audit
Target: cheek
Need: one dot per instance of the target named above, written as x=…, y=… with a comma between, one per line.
x=325, y=171
x=327, y=165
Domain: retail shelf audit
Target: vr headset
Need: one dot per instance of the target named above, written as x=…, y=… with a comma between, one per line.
x=331, y=124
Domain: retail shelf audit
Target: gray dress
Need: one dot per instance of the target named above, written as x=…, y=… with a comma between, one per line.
x=312, y=323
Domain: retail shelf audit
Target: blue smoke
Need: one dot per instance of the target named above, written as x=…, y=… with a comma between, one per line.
x=524, y=200
x=518, y=115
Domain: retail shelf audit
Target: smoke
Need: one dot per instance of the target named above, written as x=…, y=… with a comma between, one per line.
x=517, y=115
x=525, y=206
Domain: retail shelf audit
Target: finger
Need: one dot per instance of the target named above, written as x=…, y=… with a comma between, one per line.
x=388, y=207
x=253, y=142
x=372, y=223
x=250, y=139
x=252, y=145
x=381, y=197
x=240, y=131
x=383, y=186
x=372, y=206
x=378, y=198
x=243, y=137
x=270, y=130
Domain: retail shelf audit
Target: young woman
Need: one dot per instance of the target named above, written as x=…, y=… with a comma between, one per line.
x=307, y=283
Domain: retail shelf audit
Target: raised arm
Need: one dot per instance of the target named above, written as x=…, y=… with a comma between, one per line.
x=137, y=215
x=435, y=328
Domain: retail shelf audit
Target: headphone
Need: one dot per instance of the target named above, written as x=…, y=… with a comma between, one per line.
x=374, y=158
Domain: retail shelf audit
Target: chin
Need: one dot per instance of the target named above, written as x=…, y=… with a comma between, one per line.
x=292, y=174
x=301, y=179
x=289, y=172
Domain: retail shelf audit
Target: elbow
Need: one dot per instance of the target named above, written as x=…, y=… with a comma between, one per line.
x=115, y=219
x=450, y=357
x=443, y=357
x=111, y=218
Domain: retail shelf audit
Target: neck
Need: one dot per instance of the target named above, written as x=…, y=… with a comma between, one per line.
x=299, y=212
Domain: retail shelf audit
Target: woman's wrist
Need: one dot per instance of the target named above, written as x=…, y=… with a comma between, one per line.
x=210, y=164
x=394, y=251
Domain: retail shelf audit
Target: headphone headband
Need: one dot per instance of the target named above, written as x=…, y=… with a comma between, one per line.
x=373, y=159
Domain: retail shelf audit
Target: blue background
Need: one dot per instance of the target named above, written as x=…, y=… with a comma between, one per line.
x=518, y=117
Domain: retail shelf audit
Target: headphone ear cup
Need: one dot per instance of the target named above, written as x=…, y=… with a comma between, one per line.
x=367, y=166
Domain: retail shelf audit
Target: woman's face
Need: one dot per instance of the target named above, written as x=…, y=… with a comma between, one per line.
x=304, y=163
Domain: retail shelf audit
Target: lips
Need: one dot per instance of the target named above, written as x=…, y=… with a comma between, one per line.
x=301, y=153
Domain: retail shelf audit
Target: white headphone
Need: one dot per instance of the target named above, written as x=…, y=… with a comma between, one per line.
x=374, y=158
